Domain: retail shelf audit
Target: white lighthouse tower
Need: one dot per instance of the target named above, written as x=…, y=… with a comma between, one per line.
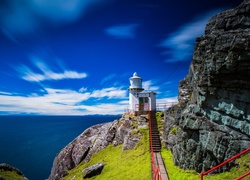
x=140, y=102
x=134, y=89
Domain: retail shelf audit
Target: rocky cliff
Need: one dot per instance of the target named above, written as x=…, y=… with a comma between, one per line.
x=93, y=140
x=211, y=123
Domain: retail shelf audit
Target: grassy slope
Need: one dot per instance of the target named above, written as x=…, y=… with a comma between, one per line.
x=129, y=165
x=176, y=173
x=10, y=175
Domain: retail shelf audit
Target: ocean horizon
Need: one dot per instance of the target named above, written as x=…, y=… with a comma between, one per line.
x=30, y=143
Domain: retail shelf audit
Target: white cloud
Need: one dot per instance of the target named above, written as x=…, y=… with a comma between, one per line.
x=122, y=31
x=47, y=74
x=111, y=92
x=30, y=76
x=106, y=108
x=165, y=103
x=179, y=44
x=28, y=16
x=108, y=78
x=168, y=82
x=171, y=100
x=82, y=89
x=64, y=102
x=4, y=93
x=148, y=85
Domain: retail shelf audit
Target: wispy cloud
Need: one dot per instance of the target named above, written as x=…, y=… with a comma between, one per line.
x=4, y=93
x=64, y=102
x=167, y=82
x=149, y=85
x=28, y=16
x=108, y=78
x=111, y=92
x=47, y=73
x=179, y=45
x=122, y=31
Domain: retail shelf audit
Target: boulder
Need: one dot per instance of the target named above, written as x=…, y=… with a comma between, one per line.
x=94, y=170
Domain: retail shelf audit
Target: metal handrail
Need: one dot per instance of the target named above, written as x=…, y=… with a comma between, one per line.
x=225, y=162
x=242, y=176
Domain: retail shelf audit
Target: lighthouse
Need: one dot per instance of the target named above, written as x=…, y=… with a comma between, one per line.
x=140, y=102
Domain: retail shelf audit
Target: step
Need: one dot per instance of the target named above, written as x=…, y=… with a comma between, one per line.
x=156, y=144
x=155, y=135
x=155, y=139
x=156, y=147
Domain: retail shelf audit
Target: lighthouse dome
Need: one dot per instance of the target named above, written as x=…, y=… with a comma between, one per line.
x=135, y=82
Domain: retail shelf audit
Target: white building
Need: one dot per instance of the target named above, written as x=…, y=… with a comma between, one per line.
x=140, y=102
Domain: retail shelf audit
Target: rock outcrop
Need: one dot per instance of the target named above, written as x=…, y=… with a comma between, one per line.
x=93, y=140
x=8, y=168
x=211, y=123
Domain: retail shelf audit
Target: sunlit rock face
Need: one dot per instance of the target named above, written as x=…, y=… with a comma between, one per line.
x=213, y=115
x=94, y=139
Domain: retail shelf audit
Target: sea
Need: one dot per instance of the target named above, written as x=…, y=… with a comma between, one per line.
x=30, y=143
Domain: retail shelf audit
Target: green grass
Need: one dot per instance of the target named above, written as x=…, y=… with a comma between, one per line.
x=176, y=173
x=10, y=175
x=173, y=130
x=160, y=120
x=128, y=165
x=135, y=124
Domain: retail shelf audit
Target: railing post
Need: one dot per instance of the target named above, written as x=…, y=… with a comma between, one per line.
x=201, y=176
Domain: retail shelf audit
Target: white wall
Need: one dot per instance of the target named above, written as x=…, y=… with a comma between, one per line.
x=134, y=100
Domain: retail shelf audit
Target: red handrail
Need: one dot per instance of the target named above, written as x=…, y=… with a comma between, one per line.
x=225, y=162
x=155, y=169
x=242, y=176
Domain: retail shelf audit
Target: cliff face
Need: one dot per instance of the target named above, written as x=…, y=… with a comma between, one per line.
x=93, y=140
x=213, y=115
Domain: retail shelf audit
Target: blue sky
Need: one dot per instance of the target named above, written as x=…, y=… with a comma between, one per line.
x=74, y=57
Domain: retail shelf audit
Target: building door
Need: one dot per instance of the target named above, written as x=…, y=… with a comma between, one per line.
x=141, y=103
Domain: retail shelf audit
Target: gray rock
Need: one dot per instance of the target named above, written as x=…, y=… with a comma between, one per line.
x=82, y=148
x=130, y=141
x=142, y=122
x=213, y=113
x=91, y=141
x=94, y=170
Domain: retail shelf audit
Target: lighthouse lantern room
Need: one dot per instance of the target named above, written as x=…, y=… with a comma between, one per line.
x=140, y=102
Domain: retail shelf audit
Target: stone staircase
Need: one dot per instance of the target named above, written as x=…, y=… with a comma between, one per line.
x=157, y=162
x=156, y=142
